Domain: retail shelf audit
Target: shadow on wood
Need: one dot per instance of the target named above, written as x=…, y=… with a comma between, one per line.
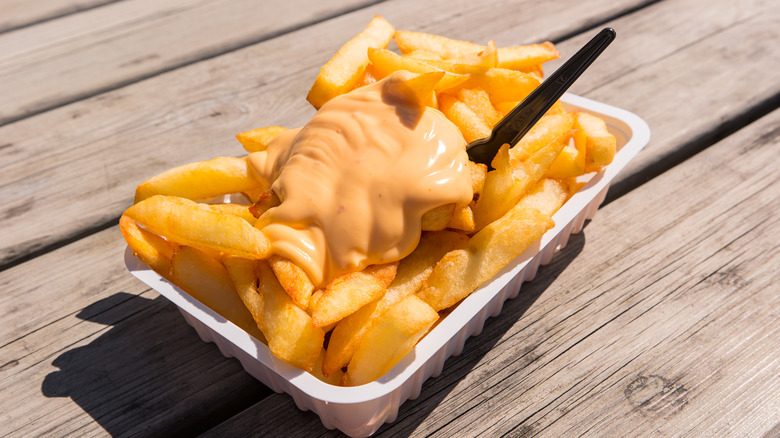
x=150, y=374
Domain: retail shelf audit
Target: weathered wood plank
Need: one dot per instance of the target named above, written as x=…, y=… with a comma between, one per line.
x=99, y=265
x=665, y=323
x=115, y=363
x=117, y=139
x=64, y=60
x=41, y=323
x=18, y=13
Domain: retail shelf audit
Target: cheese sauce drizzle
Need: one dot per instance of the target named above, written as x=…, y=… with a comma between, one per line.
x=356, y=180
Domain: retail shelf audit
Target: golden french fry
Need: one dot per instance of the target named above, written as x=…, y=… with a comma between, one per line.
x=571, y=161
x=506, y=184
x=471, y=125
x=385, y=62
x=600, y=146
x=515, y=58
x=264, y=201
x=349, y=292
x=546, y=130
x=239, y=210
x=293, y=279
x=485, y=58
x=418, y=88
x=201, y=180
x=423, y=54
x=257, y=139
x=504, y=85
x=291, y=335
x=478, y=172
x=461, y=271
x=547, y=196
x=526, y=57
x=505, y=108
x=370, y=76
x=408, y=41
x=333, y=378
x=438, y=218
x=462, y=219
x=391, y=337
x=479, y=101
x=189, y=223
x=243, y=274
x=152, y=249
x=412, y=272
x=206, y=279
x=346, y=67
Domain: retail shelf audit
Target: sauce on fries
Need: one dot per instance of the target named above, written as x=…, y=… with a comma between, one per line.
x=357, y=179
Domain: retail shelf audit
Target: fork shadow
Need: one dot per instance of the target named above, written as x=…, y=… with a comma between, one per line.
x=148, y=374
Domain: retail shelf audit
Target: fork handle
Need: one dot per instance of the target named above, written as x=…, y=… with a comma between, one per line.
x=525, y=115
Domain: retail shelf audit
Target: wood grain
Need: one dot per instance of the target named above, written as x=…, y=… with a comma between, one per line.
x=18, y=13
x=661, y=319
x=559, y=359
x=117, y=139
x=64, y=60
x=87, y=349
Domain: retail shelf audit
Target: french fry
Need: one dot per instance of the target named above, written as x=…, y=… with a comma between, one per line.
x=291, y=335
x=206, y=279
x=506, y=184
x=257, y=140
x=526, y=57
x=547, y=196
x=461, y=271
x=423, y=54
x=438, y=218
x=293, y=279
x=504, y=85
x=152, y=249
x=201, y=180
x=349, y=292
x=515, y=58
x=334, y=378
x=571, y=161
x=385, y=62
x=479, y=101
x=243, y=274
x=600, y=146
x=505, y=108
x=547, y=129
x=462, y=219
x=189, y=223
x=343, y=71
x=487, y=57
x=391, y=337
x=408, y=42
x=418, y=88
x=471, y=125
x=263, y=203
x=412, y=272
x=238, y=210
x=478, y=172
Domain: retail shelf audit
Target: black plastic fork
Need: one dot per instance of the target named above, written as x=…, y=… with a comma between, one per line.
x=525, y=115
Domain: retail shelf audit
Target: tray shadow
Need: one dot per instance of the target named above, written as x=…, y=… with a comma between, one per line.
x=149, y=373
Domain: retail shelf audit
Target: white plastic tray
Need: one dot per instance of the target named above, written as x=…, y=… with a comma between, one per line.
x=361, y=410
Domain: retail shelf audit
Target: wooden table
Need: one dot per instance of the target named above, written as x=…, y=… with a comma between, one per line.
x=662, y=318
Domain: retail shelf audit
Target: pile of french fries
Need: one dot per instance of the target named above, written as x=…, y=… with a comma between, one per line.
x=353, y=330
